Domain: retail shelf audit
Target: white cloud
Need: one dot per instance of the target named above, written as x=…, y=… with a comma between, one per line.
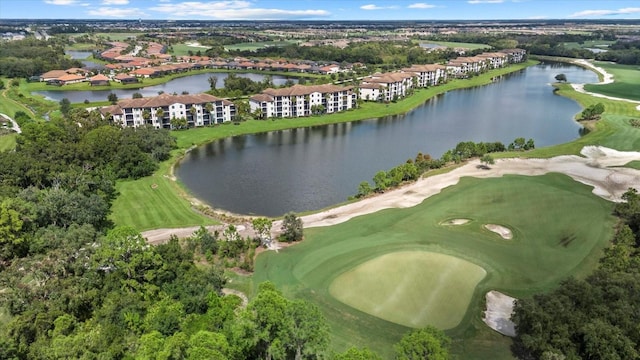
x=590, y=13
x=371, y=7
x=61, y=2
x=485, y=1
x=376, y=7
x=117, y=12
x=421, y=6
x=538, y=17
x=164, y=1
x=115, y=2
x=232, y=10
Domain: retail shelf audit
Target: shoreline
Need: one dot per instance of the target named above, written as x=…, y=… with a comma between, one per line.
x=344, y=212
x=607, y=78
x=599, y=167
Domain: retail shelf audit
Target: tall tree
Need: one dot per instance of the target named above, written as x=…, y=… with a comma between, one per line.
x=423, y=344
x=292, y=229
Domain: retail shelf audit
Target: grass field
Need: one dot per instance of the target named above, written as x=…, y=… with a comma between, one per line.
x=7, y=142
x=183, y=49
x=626, y=85
x=589, y=44
x=253, y=46
x=154, y=202
x=406, y=288
x=551, y=241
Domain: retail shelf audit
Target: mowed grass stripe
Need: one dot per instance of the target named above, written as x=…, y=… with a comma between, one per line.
x=414, y=288
x=152, y=203
x=559, y=229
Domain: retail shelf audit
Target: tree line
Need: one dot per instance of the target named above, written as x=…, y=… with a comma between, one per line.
x=29, y=57
x=412, y=169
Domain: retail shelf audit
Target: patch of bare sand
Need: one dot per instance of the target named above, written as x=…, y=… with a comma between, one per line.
x=498, y=313
x=455, y=222
x=504, y=232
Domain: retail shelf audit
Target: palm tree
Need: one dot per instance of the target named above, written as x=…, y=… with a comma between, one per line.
x=160, y=115
x=209, y=108
x=193, y=112
x=146, y=115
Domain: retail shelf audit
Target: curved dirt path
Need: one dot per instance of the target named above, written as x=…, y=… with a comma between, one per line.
x=15, y=125
x=607, y=79
x=598, y=167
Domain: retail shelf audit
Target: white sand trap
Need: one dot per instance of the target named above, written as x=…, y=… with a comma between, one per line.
x=498, y=313
x=504, y=232
x=455, y=222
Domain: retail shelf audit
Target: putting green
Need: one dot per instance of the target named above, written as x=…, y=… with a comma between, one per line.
x=411, y=288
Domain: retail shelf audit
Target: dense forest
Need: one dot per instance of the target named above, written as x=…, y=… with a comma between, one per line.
x=73, y=286
x=29, y=57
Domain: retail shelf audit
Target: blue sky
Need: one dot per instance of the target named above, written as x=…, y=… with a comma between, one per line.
x=321, y=9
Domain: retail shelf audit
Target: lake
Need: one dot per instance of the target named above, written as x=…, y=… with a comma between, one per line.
x=307, y=169
x=194, y=84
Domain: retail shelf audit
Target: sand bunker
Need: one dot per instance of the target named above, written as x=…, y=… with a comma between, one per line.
x=504, y=232
x=455, y=222
x=498, y=313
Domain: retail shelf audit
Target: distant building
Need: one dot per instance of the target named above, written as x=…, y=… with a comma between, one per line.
x=197, y=109
x=99, y=80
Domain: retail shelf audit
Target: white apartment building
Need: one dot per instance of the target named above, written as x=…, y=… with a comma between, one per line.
x=197, y=109
x=388, y=86
x=428, y=75
x=303, y=100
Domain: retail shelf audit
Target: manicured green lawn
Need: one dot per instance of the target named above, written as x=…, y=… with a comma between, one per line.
x=559, y=228
x=407, y=288
x=7, y=142
x=154, y=202
x=183, y=49
x=626, y=85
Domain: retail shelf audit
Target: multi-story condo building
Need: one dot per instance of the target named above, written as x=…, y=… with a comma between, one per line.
x=303, y=100
x=387, y=86
x=495, y=60
x=515, y=55
x=461, y=66
x=428, y=75
x=197, y=109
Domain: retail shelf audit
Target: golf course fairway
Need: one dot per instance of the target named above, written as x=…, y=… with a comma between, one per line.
x=414, y=289
x=437, y=270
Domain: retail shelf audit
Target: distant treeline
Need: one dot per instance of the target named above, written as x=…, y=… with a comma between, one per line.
x=29, y=57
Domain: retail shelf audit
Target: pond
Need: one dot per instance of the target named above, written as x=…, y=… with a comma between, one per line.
x=307, y=169
x=192, y=83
